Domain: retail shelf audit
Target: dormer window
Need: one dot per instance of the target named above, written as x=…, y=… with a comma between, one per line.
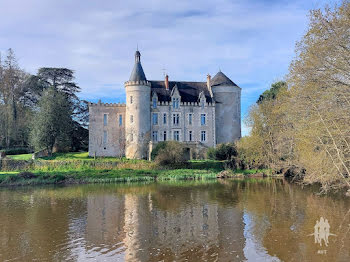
x=176, y=102
x=154, y=101
x=202, y=100
x=175, y=97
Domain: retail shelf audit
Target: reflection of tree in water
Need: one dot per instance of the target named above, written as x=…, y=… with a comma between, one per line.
x=285, y=214
x=30, y=236
x=171, y=221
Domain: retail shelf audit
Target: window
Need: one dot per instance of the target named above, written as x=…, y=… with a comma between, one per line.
x=189, y=135
x=154, y=102
x=176, y=119
x=105, y=119
x=202, y=119
x=131, y=119
x=203, y=138
x=131, y=99
x=164, y=136
x=176, y=103
x=164, y=118
x=176, y=135
x=155, y=136
x=104, y=137
x=155, y=118
x=190, y=117
x=120, y=120
x=131, y=137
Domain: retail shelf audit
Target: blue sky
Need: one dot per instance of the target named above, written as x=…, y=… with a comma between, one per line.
x=251, y=41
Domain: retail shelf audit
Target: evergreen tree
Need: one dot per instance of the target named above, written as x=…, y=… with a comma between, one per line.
x=273, y=91
x=13, y=111
x=62, y=80
x=52, y=124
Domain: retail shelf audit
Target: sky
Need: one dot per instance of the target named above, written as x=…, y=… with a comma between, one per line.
x=251, y=41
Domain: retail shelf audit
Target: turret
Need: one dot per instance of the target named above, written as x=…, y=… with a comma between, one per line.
x=138, y=112
x=227, y=96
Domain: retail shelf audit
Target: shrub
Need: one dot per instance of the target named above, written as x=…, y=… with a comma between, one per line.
x=159, y=146
x=169, y=153
x=222, y=152
x=211, y=153
x=16, y=151
x=27, y=175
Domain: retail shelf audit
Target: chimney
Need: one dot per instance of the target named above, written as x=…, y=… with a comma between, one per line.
x=209, y=84
x=166, y=81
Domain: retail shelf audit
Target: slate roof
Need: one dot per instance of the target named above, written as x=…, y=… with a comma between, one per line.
x=137, y=73
x=220, y=79
x=189, y=91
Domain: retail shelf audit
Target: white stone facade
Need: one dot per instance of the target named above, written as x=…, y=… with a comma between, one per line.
x=107, y=129
x=138, y=129
x=197, y=113
x=195, y=123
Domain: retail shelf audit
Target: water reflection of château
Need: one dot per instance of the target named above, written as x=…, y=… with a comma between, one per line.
x=151, y=231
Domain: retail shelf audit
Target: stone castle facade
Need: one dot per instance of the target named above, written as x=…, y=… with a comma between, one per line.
x=199, y=114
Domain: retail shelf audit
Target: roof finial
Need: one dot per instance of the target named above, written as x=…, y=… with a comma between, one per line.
x=137, y=56
x=137, y=73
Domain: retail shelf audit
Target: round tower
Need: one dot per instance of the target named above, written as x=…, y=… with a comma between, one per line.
x=227, y=96
x=138, y=112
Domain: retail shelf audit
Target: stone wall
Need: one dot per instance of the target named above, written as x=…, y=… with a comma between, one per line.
x=228, y=113
x=41, y=153
x=106, y=138
x=14, y=165
x=138, y=119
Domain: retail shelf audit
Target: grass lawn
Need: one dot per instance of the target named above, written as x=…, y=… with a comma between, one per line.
x=103, y=176
x=70, y=156
x=56, y=156
x=65, y=156
x=78, y=167
x=21, y=157
x=8, y=172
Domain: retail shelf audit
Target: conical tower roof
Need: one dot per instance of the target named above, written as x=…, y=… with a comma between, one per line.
x=220, y=79
x=137, y=73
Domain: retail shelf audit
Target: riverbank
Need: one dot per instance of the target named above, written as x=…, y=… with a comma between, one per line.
x=78, y=168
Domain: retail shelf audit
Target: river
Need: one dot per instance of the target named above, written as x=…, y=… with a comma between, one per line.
x=225, y=220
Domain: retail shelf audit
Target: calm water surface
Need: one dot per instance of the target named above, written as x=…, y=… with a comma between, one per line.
x=229, y=220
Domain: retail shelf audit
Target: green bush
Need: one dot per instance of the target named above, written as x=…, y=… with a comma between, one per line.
x=222, y=152
x=16, y=151
x=169, y=153
x=211, y=153
x=159, y=146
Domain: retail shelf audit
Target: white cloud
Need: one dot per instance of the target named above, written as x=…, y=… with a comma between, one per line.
x=251, y=41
